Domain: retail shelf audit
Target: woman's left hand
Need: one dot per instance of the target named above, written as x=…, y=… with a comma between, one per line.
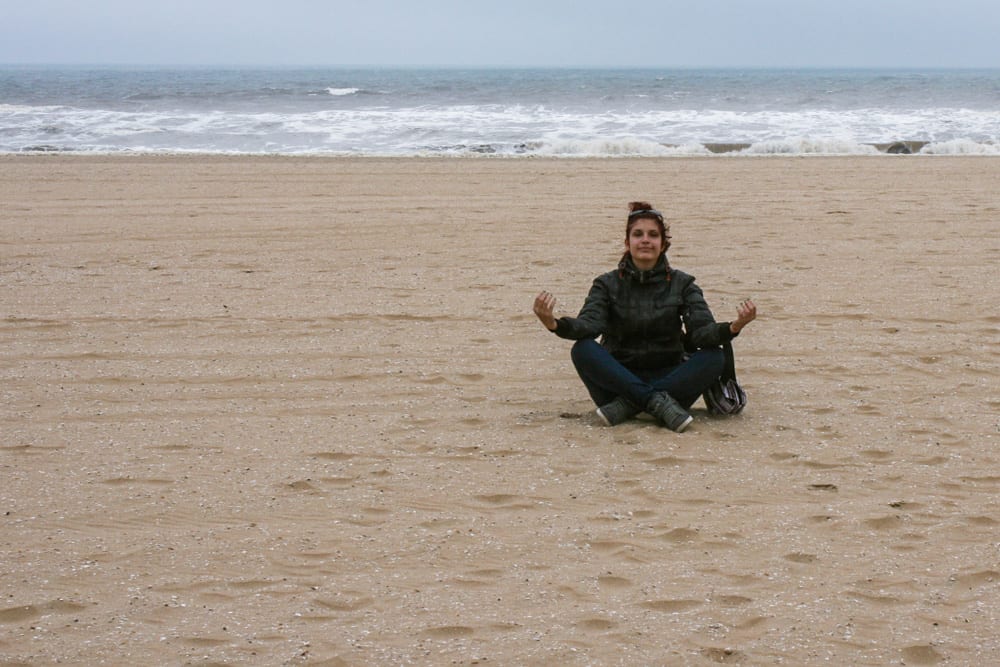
x=746, y=313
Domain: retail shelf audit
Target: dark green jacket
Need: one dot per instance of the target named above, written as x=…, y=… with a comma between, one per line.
x=647, y=319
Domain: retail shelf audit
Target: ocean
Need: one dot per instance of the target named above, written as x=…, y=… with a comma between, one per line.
x=502, y=112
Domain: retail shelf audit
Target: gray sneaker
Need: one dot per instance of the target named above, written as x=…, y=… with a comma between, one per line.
x=669, y=412
x=617, y=411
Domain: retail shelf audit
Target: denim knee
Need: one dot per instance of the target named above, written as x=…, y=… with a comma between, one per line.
x=583, y=351
x=714, y=359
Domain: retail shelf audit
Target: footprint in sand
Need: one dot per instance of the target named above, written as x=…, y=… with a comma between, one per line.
x=301, y=485
x=724, y=656
x=921, y=655
x=680, y=535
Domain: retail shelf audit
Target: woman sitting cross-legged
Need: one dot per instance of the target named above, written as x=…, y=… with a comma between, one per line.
x=660, y=345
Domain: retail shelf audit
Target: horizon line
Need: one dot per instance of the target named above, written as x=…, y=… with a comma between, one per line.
x=457, y=66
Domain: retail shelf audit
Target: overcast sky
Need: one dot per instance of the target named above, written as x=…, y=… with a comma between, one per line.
x=607, y=33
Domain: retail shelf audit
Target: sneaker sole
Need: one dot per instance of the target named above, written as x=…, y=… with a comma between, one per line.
x=684, y=424
x=607, y=422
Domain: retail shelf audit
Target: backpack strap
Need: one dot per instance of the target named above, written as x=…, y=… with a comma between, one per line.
x=729, y=370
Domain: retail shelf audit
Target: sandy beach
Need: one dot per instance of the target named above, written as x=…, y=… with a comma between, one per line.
x=286, y=411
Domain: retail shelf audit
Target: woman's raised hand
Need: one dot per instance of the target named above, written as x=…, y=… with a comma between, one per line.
x=545, y=303
x=746, y=313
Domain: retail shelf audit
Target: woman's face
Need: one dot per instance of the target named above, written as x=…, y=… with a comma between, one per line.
x=645, y=243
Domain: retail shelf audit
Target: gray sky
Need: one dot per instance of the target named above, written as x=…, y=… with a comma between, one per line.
x=609, y=33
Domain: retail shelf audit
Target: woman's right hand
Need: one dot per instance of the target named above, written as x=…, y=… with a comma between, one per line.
x=545, y=303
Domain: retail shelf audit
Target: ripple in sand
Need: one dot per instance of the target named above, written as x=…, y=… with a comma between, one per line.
x=670, y=461
x=977, y=579
x=115, y=481
x=733, y=600
x=450, y=632
x=505, y=501
x=251, y=584
x=607, y=546
x=672, y=606
x=18, y=614
x=204, y=642
x=819, y=465
x=823, y=487
x=609, y=581
x=28, y=449
x=875, y=599
x=986, y=479
x=798, y=557
x=885, y=522
x=333, y=456
x=339, y=481
x=27, y=612
x=904, y=505
x=596, y=624
x=343, y=604
x=982, y=520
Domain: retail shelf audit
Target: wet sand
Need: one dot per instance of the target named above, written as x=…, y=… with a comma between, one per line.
x=298, y=411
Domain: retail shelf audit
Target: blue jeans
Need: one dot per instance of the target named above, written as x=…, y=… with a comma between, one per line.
x=606, y=378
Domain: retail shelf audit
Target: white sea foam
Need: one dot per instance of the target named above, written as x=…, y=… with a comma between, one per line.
x=960, y=147
x=615, y=147
x=517, y=129
x=340, y=92
x=810, y=146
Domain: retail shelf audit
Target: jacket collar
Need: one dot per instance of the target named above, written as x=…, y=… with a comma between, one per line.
x=627, y=269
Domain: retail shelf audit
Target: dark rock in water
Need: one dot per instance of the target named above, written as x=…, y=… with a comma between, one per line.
x=726, y=148
x=898, y=148
x=528, y=147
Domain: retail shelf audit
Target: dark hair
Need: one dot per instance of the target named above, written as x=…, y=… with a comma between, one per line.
x=643, y=210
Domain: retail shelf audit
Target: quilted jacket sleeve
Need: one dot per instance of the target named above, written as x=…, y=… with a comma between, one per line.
x=593, y=318
x=702, y=330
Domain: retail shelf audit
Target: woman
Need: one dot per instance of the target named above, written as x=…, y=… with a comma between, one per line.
x=659, y=348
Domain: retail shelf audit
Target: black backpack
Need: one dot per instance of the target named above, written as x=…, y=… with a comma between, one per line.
x=726, y=396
